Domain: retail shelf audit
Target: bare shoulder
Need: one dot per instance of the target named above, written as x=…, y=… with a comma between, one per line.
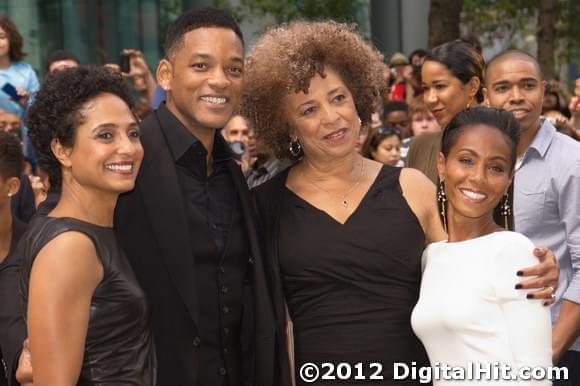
x=70, y=254
x=421, y=196
x=414, y=181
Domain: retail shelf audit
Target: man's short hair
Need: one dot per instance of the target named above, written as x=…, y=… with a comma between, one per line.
x=395, y=106
x=513, y=52
x=197, y=18
x=11, y=157
x=58, y=55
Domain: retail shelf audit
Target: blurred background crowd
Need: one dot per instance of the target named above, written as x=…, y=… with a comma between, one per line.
x=41, y=36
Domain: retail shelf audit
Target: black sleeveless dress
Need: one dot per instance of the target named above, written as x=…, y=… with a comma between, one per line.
x=119, y=345
x=350, y=288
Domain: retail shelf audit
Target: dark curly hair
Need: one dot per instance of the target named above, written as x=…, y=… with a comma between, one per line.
x=462, y=60
x=287, y=57
x=57, y=109
x=11, y=157
x=14, y=39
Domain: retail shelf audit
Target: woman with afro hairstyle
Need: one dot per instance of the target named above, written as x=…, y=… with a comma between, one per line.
x=88, y=319
x=343, y=234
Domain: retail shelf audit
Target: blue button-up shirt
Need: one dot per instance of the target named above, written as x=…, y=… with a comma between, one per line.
x=547, y=205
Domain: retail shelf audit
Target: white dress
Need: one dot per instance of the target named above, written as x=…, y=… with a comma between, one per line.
x=470, y=315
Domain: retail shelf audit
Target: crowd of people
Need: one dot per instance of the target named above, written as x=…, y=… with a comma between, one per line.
x=304, y=203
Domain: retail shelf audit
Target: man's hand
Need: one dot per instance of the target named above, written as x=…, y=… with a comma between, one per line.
x=24, y=370
x=566, y=329
x=547, y=272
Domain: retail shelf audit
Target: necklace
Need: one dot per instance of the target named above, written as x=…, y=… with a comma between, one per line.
x=344, y=198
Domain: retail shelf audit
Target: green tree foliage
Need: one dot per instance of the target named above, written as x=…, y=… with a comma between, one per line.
x=286, y=10
x=509, y=17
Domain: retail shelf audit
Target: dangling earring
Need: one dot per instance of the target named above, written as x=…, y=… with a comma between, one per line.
x=469, y=103
x=505, y=210
x=441, y=199
x=295, y=147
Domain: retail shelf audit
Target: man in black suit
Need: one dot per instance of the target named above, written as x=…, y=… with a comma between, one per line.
x=188, y=228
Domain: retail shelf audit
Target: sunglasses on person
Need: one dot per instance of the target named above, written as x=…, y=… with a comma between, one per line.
x=388, y=131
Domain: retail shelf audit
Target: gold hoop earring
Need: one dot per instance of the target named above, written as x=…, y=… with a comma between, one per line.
x=505, y=210
x=442, y=199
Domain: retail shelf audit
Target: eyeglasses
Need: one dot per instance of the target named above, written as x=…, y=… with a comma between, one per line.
x=389, y=130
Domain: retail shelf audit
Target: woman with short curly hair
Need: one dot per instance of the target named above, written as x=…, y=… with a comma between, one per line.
x=87, y=317
x=343, y=234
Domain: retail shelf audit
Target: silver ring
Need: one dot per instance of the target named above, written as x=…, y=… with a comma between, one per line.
x=552, y=289
x=553, y=296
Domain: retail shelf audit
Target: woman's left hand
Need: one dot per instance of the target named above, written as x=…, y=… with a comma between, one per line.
x=547, y=273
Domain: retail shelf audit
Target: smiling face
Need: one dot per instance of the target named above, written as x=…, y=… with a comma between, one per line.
x=476, y=172
x=515, y=84
x=445, y=95
x=107, y=152
x=204, y=78
x=325, y=119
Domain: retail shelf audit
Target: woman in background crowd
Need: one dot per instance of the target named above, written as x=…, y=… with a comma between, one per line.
x=17, y=78
x=452, y=75
x=384, y=146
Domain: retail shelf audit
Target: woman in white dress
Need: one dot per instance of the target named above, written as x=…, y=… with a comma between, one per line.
x=470, y=313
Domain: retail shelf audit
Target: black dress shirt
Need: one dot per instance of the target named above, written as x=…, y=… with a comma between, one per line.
x=220, y=248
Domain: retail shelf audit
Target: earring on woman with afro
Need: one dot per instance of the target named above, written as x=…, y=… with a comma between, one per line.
x=441, y=200
x=295, y=147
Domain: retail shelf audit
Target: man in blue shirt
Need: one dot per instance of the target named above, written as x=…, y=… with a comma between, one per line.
x=546, y=191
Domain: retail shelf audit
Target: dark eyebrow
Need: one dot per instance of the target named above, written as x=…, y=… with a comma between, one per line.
x=468, y=150
x=529, y=79
x=308, y=102
x=105, y=126
x=505, y=82
x=335, y=90
x=496, y=157
x=201, y=55
x=500, y=83
x=111, y=126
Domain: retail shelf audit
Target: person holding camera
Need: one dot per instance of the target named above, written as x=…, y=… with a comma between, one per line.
x=237, y=134
x=18, y=80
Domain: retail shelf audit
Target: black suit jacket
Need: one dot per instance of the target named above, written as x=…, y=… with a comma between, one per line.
x=152, y=228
